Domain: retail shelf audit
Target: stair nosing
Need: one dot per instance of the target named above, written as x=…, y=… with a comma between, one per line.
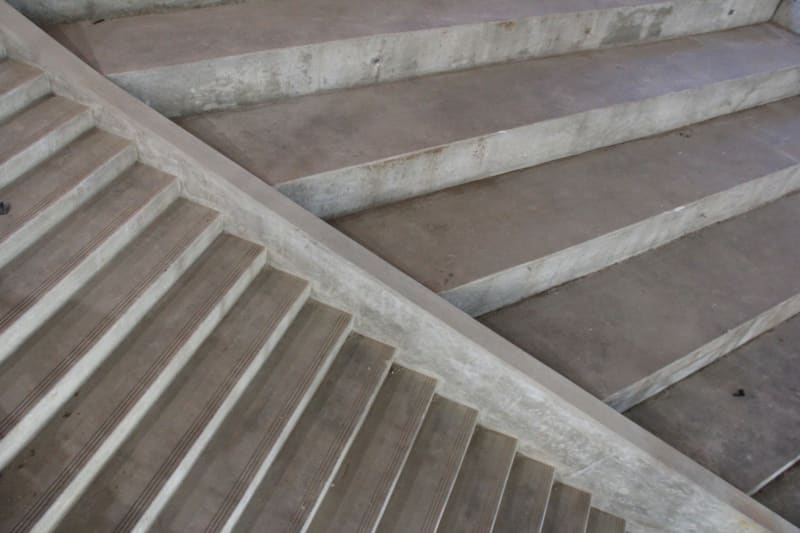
x=23, y=94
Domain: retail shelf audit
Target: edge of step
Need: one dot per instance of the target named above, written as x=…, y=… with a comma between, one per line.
x=28, y=85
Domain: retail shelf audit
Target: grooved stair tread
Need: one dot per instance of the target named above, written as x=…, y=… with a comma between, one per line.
x=477, y=493
x=567, y=511
x=46, y=184
x=359, y=492
x=47, y=464
x=14, y=74
x=743, y=439
x=662, y=305
x=782, y=495
x=287, y=497
x=255, y=430
x=38, y=364
x=419, y=499
x=303, y=136
x=122, y=492
x=125, y=44
x=28, y=278
x=461, y=234
x=602, y=522
x=525, y=497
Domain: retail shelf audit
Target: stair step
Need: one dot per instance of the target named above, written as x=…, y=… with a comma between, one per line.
x=219, y=486
x=36, y=133
x=525, y=497
x=602, y=522
x=53, y=190
x=567, y=511
x=51, y=472
x=46, y=369
x=359, y=493
x=20, y=85
x=783, y=494
x=477, y=493
x=186, y=416
x=295, y=484
x=667, y=313
x=744, y=439
x=550, y=224
x=43, y=277
x=414, y=137
x=419, y=499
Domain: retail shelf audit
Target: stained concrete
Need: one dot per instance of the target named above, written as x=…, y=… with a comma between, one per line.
x=783, y=495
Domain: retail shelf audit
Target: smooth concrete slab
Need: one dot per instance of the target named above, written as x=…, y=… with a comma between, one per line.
x=619, y=329
x=745, y=439
x=783, y=495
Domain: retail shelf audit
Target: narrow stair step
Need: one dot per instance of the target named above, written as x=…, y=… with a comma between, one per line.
x=478, y=491
x=186, y=416
x=36, y=133
x=567, y=511
x=419, y=499
x=360, y=491
x=602, y=522
x=525, y=497
x=47, y=368
x=782, y=495
x=219, y=486
x=20, y=85
x=51, y=472
x=295, y=484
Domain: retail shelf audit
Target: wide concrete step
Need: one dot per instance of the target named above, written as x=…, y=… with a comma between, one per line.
x=37, y=132
x=488, y=244
x=48, y=476
x=344, y=151
x=295, y=484
x=214, y=493
x=476, y=496
x=198, y=59
x=525, y=497
x=740, y=416
x=783, y=494
x=20, y=85
x=633, y=329
x=602, y=522
x=47, y=369
x=567, y=510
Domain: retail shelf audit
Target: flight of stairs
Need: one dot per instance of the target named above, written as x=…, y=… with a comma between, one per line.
x=157, y=374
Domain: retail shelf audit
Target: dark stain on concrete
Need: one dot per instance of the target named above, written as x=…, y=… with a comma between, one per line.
x=640, y=23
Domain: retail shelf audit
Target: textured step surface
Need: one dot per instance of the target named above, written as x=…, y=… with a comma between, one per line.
x=567, y=510
x=783, y=494
x=419, y=499
x=19, y=86
x=287, y=498
x=358, y=494
x=661, y=306
x=255, y=430
x=602, y=522
x=746, y=438
x=525, y=497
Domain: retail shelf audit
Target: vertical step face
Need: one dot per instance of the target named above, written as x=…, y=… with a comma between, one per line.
x=358, y=494
x=50, y=473
x=476, y=495
x=567, y=511
x=218, y=488
x=127, y=485
x=20, y=85
x=782, y=495
x=602, y=522
x=525, y=497
x=295, y=484
x=419, y=499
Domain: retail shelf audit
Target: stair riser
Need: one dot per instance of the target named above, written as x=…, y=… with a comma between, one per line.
x=92, y=468
x=39, y=415
x=273, y=74
x=182, y=470
x=430, y=170
x=24, y=95
x=525, y=280
x=48, y=218
x=45, y=147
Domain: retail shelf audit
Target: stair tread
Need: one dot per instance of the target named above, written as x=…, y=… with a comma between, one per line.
x=602, y=522
x=254, y=430
x=128, y=483
x=525, y=497
x=14, y=74
x=746, y=439
x=358, y=494
x=47, y=464
x=441, y=242
x=287, y=497
x=477, y=493
x=397, y=118
x=567, y=510
x=662, y=305
x=419, y=498
x=782, y=495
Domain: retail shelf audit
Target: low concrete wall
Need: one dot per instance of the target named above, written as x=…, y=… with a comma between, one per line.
x=788, y=15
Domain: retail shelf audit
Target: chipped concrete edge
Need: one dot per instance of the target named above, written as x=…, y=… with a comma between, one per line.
x=630, y=472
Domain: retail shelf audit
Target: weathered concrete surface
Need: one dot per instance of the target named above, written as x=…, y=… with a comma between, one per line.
x=745, y=439
x=58, y=11
x=783, y=494
x=788, y=15
x=490, y=243
x=264, y=50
